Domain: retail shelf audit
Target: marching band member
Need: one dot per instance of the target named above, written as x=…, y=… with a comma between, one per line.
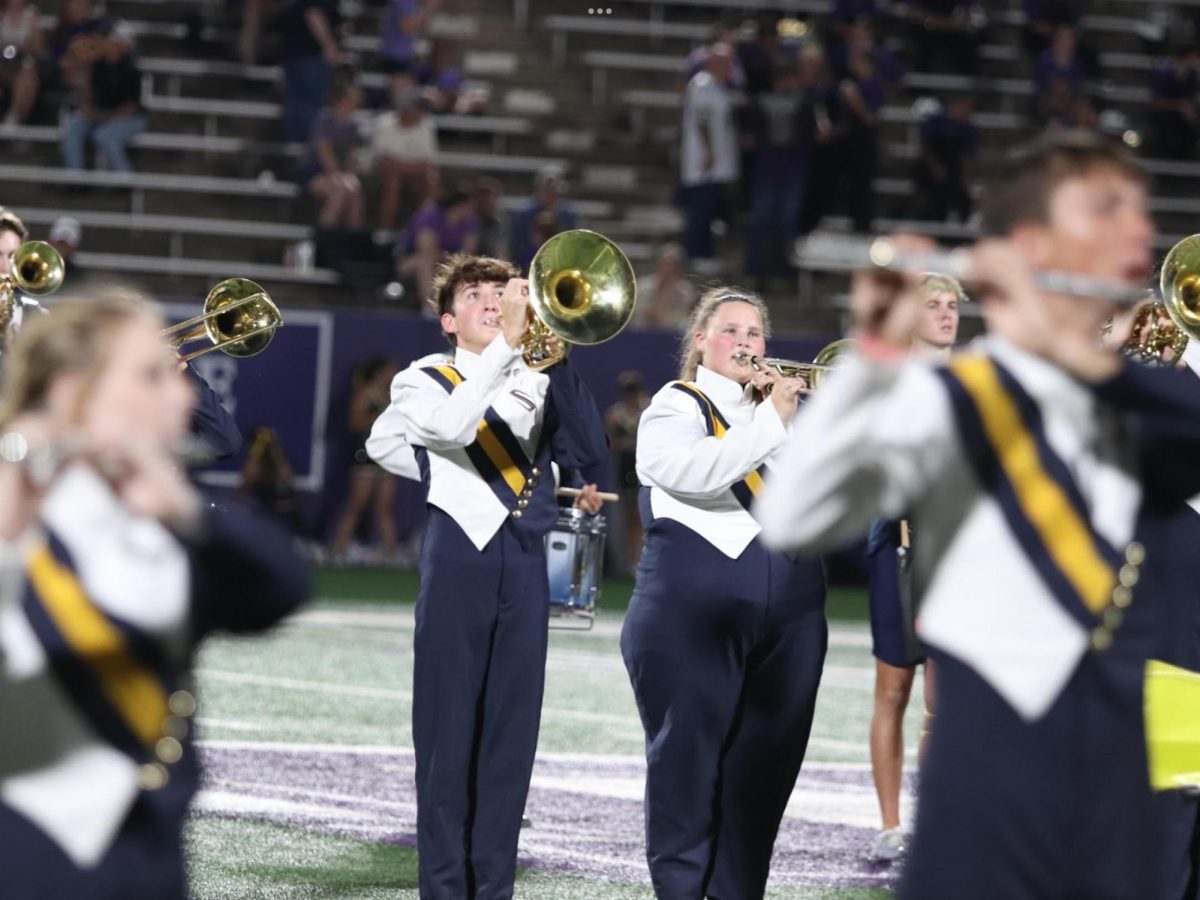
x=484, y=432
x=892, y=636
x=111, y=572
x=724, y=639
x=13, y=234
x=1024, y=465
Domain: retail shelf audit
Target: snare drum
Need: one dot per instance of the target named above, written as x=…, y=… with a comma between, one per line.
x=574, y=562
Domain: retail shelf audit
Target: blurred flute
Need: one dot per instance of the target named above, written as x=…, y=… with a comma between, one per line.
x=575, y=492
x=851, y=254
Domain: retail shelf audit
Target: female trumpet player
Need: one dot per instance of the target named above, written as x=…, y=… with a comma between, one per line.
x=724, y=640
x=111, y=572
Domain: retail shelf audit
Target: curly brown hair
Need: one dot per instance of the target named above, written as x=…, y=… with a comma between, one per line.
x=9, y=221
x=460, y=271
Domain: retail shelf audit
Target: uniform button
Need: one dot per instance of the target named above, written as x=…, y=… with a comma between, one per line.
x=1122, y=596
x=175, y=727
x=527, y=493
x=536, y=471
x=1113, y=617
x=1135, y=554
x=522, y=503
x=168, y=750
x=182, y=704
x=516, y=514
x=1101, y=639
x=152, y=776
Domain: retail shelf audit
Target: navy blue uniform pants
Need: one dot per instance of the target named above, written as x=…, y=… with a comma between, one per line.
x=725, y=657
x=1056, y=809
x=480, y=660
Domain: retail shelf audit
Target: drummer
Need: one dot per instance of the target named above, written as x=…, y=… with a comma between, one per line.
x=724, y=640
x=484, y=430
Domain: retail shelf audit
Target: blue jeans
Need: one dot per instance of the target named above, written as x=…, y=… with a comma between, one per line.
x=305, y=84
x=108, y=137
x=774, y=220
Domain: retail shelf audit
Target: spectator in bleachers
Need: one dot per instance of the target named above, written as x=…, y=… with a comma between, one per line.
x=708, y=159
x=404, y=23
x=621, y=423
x=404, y=146
x=1061, y=108
x=860, y=38
x=1043, y=18
x=255, y=13
x=549, y=190
x=1060, y=61
x=76, y=18
x=66, y=234
x=1174, y=123
x=109, y=112
x=328, y=166
x=949, y=146
x=722, y=33
x=492, y=234
x=862, y=95
x=21, y=45
x=666, y=297
x=822, y=98
x=945, y=35
x=309, y=50
x=443, y=83
x=844, y=15
x=760, y=56
x=441, y=226
x=774, y=130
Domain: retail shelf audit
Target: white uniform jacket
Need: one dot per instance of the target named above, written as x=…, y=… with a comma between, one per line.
x=882, y=439
x=423, y=414
x=691, y=475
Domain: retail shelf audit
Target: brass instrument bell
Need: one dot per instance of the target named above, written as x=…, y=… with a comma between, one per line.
x=1179, y=284
x=37, y=269
x=239, y=318
x=582, y=290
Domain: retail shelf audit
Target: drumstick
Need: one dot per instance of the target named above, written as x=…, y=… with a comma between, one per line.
x=575, y=492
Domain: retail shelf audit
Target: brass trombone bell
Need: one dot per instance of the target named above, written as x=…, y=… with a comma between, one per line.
x=813, y=373
x=239, y=318
x=581, y=290
x=1179, y=284
x=37, y=269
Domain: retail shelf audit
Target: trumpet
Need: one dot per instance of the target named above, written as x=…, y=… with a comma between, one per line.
x=845, y=254
x=239, y=318
x=812, y=373
x=582, y=291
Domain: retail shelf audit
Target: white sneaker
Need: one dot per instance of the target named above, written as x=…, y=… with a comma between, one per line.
x=888, y=846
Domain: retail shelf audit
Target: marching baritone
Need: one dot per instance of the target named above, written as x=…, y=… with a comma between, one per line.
x=1025, y=465
x=485, y=431
x=724, y=639
x=112, y=570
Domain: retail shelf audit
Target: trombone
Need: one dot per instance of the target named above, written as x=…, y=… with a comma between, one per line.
x=582, y=291
x=813, y=373
x=1161, y=330
x=37, y=270
x=239, y=318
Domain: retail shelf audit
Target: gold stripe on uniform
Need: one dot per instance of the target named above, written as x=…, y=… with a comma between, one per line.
x=488, y=442
x=134, y=691
x=1065, y=535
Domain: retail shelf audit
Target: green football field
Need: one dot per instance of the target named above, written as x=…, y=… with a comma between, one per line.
x=308, y=754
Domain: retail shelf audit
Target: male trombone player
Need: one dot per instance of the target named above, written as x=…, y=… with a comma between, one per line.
x=485, y=431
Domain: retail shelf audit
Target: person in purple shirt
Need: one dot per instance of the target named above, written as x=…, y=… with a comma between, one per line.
x=1173, y=114
x=945, y=35
x=404, y=22
x=549, y=190
x=860, y=37
x=949, y=145
x=439, y=227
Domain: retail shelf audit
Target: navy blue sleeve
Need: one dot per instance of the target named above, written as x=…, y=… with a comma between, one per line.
x=1164, y=405
x=246, y=572
x=210, y=422
x=573, y=421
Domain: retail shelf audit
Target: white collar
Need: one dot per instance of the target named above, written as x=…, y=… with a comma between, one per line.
x=1038, y=376
x=721, y=389
x=466, y=362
